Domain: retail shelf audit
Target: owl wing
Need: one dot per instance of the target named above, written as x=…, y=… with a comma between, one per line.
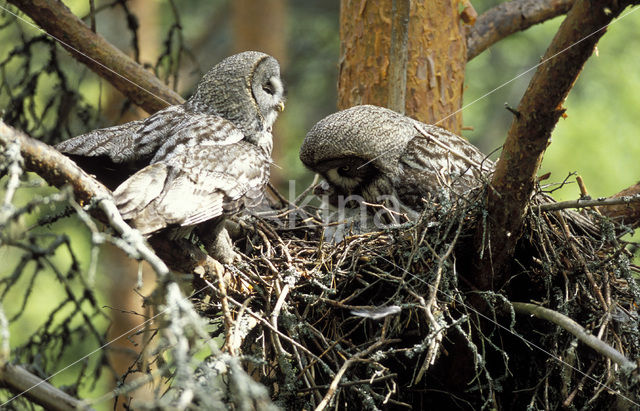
x=194, y=186
x=114, y=154
x=127, y=142
x=197, y=130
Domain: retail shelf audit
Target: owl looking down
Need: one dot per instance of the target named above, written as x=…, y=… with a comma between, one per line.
x=244, y=89
x=375, y=152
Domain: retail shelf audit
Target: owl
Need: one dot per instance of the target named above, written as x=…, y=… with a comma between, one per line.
x=377, y=154
x=238, y=98
x=201, y=160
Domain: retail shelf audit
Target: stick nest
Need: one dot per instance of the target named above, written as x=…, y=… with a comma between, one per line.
x=392, y=319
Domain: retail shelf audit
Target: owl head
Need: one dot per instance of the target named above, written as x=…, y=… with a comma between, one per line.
x=357, y=150
x=246, y=89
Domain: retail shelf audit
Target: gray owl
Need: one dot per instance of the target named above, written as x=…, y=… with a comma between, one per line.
x=376, y=153
x=244, y=89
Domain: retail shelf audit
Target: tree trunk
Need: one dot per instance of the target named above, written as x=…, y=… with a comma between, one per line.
x=406, y=55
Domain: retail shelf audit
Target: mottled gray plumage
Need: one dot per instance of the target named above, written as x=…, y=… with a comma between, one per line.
x=374, y=152
x=199, y=184
x=244, y=89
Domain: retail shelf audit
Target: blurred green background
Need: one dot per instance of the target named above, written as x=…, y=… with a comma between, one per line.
x=53, y=97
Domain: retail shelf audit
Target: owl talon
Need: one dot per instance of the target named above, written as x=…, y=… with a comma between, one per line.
x=219, y=245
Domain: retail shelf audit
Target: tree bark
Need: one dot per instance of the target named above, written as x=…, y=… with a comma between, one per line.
x=408, y=56
x=510, y=17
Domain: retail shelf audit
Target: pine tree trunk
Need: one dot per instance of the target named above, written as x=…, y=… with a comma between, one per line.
x=407, y=55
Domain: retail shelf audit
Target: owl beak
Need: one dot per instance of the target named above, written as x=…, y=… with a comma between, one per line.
x=280, y=107
x=322, y=188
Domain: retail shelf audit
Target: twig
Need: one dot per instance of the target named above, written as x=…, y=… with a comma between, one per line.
x=274, y=319
x=228, y=320
x=345, y=366
x=576, y=329
x=582, y=203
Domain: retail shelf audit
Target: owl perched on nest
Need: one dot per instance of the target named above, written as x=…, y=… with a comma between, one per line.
x=205, y=158
x=245, y=89
x=376, y=153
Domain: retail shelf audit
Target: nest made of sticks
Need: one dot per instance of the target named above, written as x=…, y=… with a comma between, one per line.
x=391, y=318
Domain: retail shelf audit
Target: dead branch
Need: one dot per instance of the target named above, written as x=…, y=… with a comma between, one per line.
x=131, y=79
x=536, y=116
x=577, y=330
x=507, y=18
x=22, y=382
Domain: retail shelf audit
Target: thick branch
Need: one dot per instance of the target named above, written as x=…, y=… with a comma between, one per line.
x=510, y=17
x=627, y=212
x=537, y=114
x=138, y=84
x=22, y=382
x=577, y=330
x=398, y=54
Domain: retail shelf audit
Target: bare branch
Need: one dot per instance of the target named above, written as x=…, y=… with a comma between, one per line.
x=138, y=84
x=508, y=18
x=600, y=202
x=529, y=135
x=577, y=330
x=22, y=382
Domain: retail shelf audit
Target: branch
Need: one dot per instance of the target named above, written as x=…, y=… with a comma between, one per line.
x=627, y=212
x=22, y=382
x=59, y=170
x=582, y=203
x=139, y=85
x=507, y=18
x=51, y=165
x=576, y=329
x=529, y=135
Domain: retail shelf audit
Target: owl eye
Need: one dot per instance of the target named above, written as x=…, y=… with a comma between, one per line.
x=344, y=169
x=269, y=88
